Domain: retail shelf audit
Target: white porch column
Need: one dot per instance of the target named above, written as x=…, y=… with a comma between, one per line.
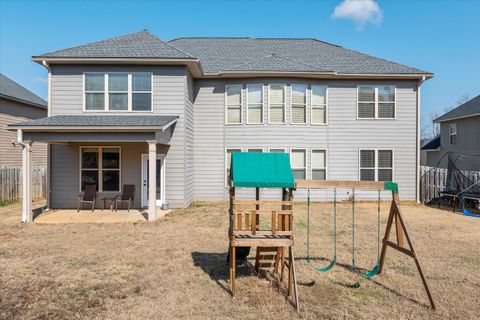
x=152, y=179
x=27, y=215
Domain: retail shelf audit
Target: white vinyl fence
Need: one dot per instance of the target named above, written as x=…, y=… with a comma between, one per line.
x=434, y=180
x=11, y=183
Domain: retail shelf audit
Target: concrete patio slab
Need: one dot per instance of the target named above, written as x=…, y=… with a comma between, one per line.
x=97, y=216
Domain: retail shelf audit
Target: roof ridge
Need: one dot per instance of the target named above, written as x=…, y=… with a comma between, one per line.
x=168, y=44
x=96, y=42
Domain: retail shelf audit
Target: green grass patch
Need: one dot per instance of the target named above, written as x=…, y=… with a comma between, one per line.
x=4, y=203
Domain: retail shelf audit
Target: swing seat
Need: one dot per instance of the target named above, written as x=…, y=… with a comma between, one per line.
x=325, y=269
x=370, y=274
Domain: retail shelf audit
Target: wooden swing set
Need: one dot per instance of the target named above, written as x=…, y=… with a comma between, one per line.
x=274, y=239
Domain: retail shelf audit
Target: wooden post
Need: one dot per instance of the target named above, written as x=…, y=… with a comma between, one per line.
x=152, y=180
x=398, y=227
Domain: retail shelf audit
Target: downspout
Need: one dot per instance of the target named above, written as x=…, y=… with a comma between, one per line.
x=417, y=189
x=49, y=146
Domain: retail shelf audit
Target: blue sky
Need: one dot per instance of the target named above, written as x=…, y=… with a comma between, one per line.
x=436, y=36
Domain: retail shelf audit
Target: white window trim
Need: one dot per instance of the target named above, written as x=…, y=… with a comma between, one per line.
x=306, y=161
x=376, y=102
x=280, y=148
x=376, y=162
x=451, y=134
x=106, y=92
x=225, y=162
x=311, y=162
x=284, y=103
x=248, y=105
x=326, y=105
x=100, y=167
x=241, y=103
x=291, y=103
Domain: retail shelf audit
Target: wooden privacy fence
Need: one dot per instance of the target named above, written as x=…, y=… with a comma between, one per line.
x=11, y=183
x=434, y=180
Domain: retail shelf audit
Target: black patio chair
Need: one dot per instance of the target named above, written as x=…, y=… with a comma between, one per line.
x=128, y=195
x=90, y=195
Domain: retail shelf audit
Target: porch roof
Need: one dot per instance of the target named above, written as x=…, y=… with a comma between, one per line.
x=97, y=122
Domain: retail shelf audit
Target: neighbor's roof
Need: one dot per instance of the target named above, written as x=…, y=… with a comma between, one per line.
x=234, y=55
x=468, y=109
x=11, y=89
x=220, y=54
x=141, y=44
x=99, y=121
x=433, y=144
x=261, y=170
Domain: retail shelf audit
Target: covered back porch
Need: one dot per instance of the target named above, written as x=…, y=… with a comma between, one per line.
x=107, y=152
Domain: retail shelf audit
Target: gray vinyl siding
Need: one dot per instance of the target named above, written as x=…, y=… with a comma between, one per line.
x=169, y=98
x=12, y=112
x=468, y=143
x=189, y=140
x=342, y=137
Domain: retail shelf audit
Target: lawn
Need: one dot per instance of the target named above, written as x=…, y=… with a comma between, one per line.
x=175, y=268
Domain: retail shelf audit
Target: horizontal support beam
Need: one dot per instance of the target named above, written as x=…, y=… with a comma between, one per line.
x=339, y=184
x=401, y=249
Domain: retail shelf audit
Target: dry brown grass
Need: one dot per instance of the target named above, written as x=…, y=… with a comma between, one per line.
x=175, y=268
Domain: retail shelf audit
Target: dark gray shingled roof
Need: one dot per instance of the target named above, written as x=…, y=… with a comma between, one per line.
x=11, y=89
x=471, y=107
x=141, y=44
x=432, y=144
x=99, y=121
x=240, y=54
x=221, y=54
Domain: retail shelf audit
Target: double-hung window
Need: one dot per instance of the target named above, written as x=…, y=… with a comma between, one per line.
x=118, y=91
x=233, y=104
x=276, y=103
x=376, y=165
x=100, y=166
x=141, y=92
x=299, y=104
x=276, y=150
x=94, y=91
x=319, y=104
x=298, y=162
x=255, y=150
x=254, y=103
x=319, y=164
x=452, y=128
x=376, y=102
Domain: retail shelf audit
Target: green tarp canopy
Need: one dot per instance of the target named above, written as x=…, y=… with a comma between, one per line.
x=261, y=170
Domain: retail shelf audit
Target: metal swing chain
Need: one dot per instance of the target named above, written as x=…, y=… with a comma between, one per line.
x=335, y=224
x=353, y=227
x=378, y=228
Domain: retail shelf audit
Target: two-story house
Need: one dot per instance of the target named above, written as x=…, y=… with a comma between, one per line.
x=165, y=116
x=459, y=136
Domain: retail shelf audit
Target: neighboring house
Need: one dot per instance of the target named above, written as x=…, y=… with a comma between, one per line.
x=117, y=105
x=459, y=133
x=18, y=104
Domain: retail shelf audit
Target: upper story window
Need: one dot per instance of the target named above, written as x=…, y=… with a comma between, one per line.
x=376, y=165
x=276, y=103
x=233, y=104
x=453, y=133
x=299, y=104
x=376, y=102
x=118, y=91
x=254, y=104
x=319, y=104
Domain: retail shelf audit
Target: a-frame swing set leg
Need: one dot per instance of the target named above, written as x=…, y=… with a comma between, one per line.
x=401, y=230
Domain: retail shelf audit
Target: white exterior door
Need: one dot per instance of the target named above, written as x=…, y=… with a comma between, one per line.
x=160, y=179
